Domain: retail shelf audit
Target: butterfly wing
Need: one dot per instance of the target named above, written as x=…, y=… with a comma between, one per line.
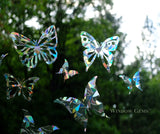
x=27, y=131
x=64, y=67
x=2, y=57
x=26, y=49
x=27, y=120
x=72, y=72
x=128, y=81
x=136, y=78
x=47, y=129
x=89, y=54
x=13, y=86
x=30, y=51
x=90, y=98
x=28, y=87
x=27, y=124
x=109, y=45
x=48, y=43
x=76, y=107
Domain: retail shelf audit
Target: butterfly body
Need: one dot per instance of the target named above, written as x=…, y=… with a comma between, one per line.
x=95, y=49
x=89, y=103
x=31, y=51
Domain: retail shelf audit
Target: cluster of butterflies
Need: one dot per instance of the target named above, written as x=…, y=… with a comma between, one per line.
x=31, y=51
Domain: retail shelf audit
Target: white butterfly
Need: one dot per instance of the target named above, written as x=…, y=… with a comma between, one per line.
x=94, y=49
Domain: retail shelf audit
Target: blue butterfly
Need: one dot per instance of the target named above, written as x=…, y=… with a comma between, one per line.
x=136, y=79
x=29, y=128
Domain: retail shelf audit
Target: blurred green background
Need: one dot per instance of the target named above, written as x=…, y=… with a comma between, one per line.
x=113, y=91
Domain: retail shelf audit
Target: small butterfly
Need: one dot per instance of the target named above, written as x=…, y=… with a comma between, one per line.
x=65, y=69
x=2, y=57
x=30, y=51
x=80, y=108
x=20, y=87
x=29, y=128
x=136, y=79
x=94, y=49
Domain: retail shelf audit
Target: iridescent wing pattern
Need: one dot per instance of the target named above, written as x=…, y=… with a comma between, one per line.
x=76, y=107
x=28, y=126
x=80, y=108
x=2, y=57
x=20, y=87
x=31, y=51
x=65, y=70
x=95, y=49
x=136, y=79
x=90, y=98
x=129, y=81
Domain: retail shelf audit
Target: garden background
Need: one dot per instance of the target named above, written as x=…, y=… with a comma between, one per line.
x=69, y=18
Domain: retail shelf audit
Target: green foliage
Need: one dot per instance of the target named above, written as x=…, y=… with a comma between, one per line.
x=112, y=89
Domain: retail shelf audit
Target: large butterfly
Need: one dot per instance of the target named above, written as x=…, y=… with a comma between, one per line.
x=94, y=49
x=136, y=79
x=65, y=70
x=89, y=103
x=29, y=128
x=20, y=87
x=31, y=51
x=2, y=57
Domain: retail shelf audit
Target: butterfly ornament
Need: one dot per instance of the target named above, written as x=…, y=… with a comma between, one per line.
x=94, y=49
x=31, y=51
x=15, y=86
x=89, y=103
x=129, y=81
x=2, y=57
x=65, y=70
x=28, y=126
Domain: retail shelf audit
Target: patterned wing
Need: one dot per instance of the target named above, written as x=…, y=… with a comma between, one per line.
x=28, y=87
x=29, y=128
x=72, y=72
x=47, y=45
x=90, y=98
x=109, y=45
x=128, y=81
x=75, y=107
x=65, y=70
x=2, y=57
x=29, y=51
x=27, y=120
x=136, y=78
x=47, y=129
x=13, y=86
x=92, y=48
x=26, y=49
x=64, y=67
x=27, y=131
x=27, y=124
